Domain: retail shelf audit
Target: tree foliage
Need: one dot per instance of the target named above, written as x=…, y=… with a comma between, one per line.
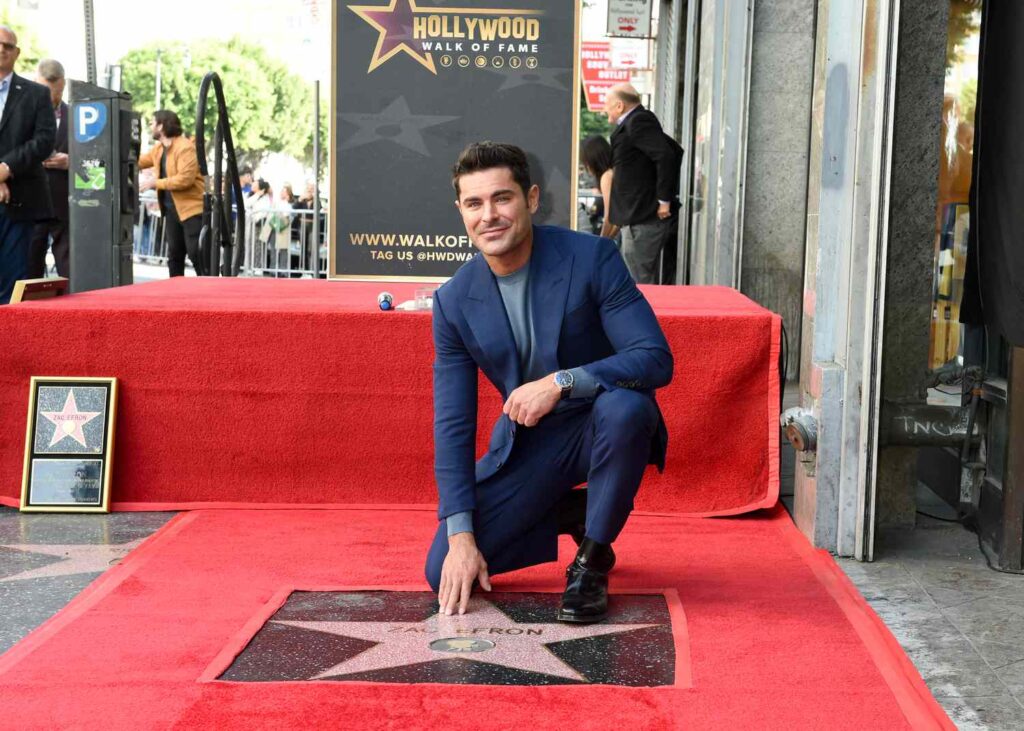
x=270, y=108
x=28, y=41
x=592, y=123
x=964, y=21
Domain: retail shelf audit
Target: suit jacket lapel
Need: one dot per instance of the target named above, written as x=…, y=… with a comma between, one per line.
x=12, y=97
x=550, y=270
x=485, y=312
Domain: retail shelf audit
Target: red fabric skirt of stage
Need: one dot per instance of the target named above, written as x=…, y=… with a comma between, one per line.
x=259, y=392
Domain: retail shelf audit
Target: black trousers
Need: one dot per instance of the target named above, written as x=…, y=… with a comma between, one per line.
x=41, y=236
x=182, y=238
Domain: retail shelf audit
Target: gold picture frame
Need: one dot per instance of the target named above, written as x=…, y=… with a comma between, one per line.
x=27, y=290
x=69, y=445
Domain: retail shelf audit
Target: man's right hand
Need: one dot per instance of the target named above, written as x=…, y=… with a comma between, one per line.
x=56, y=161
x=463, y=565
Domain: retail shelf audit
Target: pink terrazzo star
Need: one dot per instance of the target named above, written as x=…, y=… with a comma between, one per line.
x=78, y=558
x=520, y=646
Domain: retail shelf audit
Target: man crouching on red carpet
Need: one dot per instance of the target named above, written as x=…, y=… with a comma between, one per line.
x=554, y=320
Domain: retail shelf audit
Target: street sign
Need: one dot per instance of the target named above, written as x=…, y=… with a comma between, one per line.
x=598, y=73
x=629, y=18
x=632, y=54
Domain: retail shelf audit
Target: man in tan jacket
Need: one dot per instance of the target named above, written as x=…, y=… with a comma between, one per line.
x=180, y=189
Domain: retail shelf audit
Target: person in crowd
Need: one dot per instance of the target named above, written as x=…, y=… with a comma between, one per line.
x=282, y=220
x=556, y=323
x=27, y=134
x=305, y=221
x=54, y=233
x=644, y=199
x=298, y=220
x=245, y=180
x=180, y=188
x=261, y=205
x=596, y=154
x=306, y=199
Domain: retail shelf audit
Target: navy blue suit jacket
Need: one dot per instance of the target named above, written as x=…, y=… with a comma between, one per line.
x=587, y=311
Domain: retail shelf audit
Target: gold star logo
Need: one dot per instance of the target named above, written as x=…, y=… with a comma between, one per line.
x=394, y=23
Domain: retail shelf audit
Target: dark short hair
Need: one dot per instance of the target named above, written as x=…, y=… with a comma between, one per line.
x=597, y=155
x=246, y=170
x=170, y=122
x=488, y=155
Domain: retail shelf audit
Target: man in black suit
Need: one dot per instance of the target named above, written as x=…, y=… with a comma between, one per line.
x=27, y=131
x=50, y=73
x=645, y=186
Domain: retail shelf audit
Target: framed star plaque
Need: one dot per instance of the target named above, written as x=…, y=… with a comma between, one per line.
x=69, y=445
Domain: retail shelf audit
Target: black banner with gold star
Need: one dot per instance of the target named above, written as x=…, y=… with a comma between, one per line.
x=415, y=81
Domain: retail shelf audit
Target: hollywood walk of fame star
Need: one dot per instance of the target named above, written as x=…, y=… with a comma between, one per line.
x=397, y=119
x=394, y=23
x=69, y=421
x=79, y=559
x=521, y=646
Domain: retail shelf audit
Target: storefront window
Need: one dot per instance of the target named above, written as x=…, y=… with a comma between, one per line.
x=957, y=154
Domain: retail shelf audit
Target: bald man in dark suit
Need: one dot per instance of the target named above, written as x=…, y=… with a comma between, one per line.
x=27, y=131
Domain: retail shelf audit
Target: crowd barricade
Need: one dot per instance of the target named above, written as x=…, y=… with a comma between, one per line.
x=278, y=241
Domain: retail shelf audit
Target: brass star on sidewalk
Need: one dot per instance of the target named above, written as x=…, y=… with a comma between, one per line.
x=484, y=634
x=394, y=23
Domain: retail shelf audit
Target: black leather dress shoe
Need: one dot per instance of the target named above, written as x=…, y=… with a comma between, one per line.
x=572, y=518
x=586, y=588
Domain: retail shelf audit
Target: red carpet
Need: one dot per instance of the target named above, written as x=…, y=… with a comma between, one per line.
x=241, y=392
x=778, y=638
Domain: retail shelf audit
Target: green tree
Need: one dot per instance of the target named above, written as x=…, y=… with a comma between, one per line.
x=269, y=107
x=32, y=50
x=592, y=123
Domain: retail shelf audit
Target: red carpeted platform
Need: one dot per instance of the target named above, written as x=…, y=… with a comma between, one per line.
x=778, y=638
x=264, y=392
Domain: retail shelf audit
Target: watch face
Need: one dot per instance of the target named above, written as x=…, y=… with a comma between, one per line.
x=563, y=379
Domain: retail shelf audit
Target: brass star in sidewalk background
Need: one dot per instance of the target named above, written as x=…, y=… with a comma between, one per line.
x=394, y=23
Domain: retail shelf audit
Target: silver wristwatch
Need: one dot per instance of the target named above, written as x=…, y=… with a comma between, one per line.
x=564, y=380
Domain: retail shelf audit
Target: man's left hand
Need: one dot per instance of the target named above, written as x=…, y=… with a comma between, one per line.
x=664, y=210
x=5, y=172
x=147, y=183
x=5, y=193
x=531, y=402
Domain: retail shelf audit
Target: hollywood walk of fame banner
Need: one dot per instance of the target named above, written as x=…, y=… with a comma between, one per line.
x=415, y=81
x=69, y=445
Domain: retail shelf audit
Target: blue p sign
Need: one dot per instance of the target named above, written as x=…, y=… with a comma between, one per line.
x=90, y=121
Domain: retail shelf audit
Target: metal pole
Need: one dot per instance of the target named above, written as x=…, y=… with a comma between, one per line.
x=217, y=221
x=1012, y=549
x=316, y=179
x=158, y=107
x=90, y=43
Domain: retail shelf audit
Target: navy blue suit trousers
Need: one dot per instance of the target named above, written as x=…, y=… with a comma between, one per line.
x=606, y=443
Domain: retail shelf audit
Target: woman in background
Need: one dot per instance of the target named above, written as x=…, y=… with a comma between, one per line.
x=597, y=159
